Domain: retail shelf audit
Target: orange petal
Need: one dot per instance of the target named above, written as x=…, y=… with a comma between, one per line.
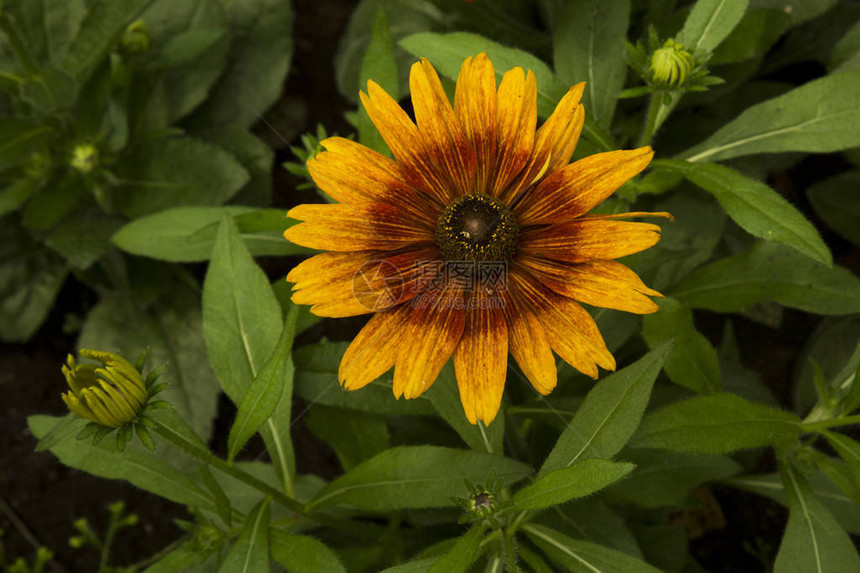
x=406, y=144
x=359, y=227
x=481, y=359
x=583, y=240
x=517, y=119
x=607, y=284
x=350, y=286
x=352, y=173
x=530, y=347
x=433, y=331
x=570, y=330
x=475, y=107
x=577, y=188
x=371, y=353
x=449, y=148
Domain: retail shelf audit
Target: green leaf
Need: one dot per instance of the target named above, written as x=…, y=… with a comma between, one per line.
x=818, y=117
x=256, y=157
x=168, y=173
x=609, y=415
x=259, y=58
x=754, y=206
x=67, y=427
x=135, y=465
x=587, y=47
x=848, y=450
x=316, y=381
x=49, y=91
x=462, y=554
x=242, y=324
x=592, y=519
x=836, y=502
x=578, y=480
x=260, y=400
x=582, y=556
x=813, y=540
x=186, y=46
x=770, y=272
x=833, y=347
x=693, y=362
x=16, y=195
x=447, y=51
x=445, y=397
x=241, y=317
x=846, y=53
x=187, y=234
x=837, y=202
x=665, y=479
x=355, y=436
x=187, y=558
x=709, y=22
x=303, y=554
x=250, y=553
x=30, y=278
x=416, y=477
x=83, y=237
x=380, y=66
x=100, y=30
x=19, y=138
x=172, y=329
x=716, y=424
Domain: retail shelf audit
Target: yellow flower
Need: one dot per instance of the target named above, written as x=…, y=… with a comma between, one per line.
x=475, y=236
x=111, y=394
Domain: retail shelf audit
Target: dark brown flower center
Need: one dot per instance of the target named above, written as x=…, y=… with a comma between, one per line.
x=477, y=228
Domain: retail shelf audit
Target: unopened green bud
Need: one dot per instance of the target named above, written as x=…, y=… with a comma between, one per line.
x=135, y=39
x=111, y=394
x=85, y=157
x=671, y=65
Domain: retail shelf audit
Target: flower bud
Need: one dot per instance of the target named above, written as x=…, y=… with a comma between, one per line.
x=135, y=39
x=111, y=394
x=671, y=65
x=85, y=157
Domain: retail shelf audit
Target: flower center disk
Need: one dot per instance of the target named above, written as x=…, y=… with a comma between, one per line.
x=477, y=228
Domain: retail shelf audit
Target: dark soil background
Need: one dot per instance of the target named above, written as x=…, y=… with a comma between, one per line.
x=40, y=498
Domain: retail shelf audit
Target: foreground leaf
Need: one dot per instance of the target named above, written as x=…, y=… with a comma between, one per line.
x=709, y=22
x=250, y=553
x=579, y=480
x=819, y=117
x=416, y=477
x=303, y=554
x=813, y=540
x=754, y=206
x=716, y=424
x=693, y=362
x=587, y=48
x=135, y=465
x=771, y=272
x=609, y=415
x=187, y=234
x=583, y=556
x=462, y=554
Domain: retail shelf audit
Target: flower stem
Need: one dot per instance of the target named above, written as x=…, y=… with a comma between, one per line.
x=832, y=423
x=510, y=552
x=203, y=454
x=650, y=124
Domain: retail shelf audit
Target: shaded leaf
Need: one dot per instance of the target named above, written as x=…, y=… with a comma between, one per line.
x=583, y=556
x=709, y=22
x=770, y=272
x=716, y=424
x=837, y=201
x=250, y=553
x=609, y=415
x=416, y=477
x=303, y=554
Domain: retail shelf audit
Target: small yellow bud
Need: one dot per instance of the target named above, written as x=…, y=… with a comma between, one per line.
x=111, y=394
x=671, y=65
x=85, y=157
x=135, y=39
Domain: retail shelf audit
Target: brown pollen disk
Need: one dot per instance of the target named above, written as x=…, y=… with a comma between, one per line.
x=477, y=228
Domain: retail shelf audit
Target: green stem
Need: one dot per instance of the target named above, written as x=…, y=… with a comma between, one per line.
x=111, y=533
x=510, y=552
x=207, y=457
x=833, y=423
x=650, y=124
x=17, y=44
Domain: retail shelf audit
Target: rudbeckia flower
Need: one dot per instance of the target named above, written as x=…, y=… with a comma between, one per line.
x=474, y=241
